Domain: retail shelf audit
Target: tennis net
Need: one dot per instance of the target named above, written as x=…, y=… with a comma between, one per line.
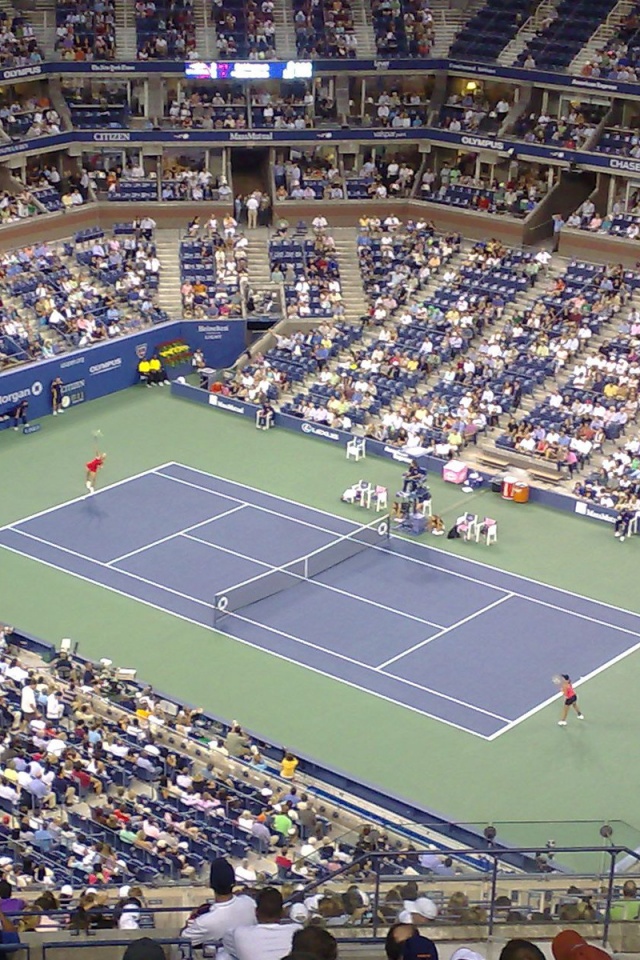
x=303, y=568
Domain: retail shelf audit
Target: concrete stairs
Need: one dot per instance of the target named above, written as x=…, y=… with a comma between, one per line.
x=169, y=296
x=43, y=20
x=448, y=22
x=529, y=29
x=363, y=30
x=126, y=41
x=206, y=46
x=59, y=103
x=258, y=257
x=354, y=298
x=602, y=35
x=285, y=31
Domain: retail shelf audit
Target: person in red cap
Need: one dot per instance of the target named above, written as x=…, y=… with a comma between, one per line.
x=569, y=945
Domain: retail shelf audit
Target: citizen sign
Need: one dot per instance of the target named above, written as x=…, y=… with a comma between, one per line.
x=111, y=137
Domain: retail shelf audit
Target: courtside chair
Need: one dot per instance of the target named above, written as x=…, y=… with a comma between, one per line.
x=381, y=498
x=488, y=528
x=357, y=449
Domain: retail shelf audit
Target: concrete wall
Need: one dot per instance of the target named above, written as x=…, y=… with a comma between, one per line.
x=599, y=248
x=56, y=226
x=476, y=226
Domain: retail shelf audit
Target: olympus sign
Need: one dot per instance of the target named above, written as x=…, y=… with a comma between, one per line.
x=21, y=72
x=106, y=366
x=483, y=143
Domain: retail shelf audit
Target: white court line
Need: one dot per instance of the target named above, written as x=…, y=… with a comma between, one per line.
x=98, y=563
x=395, y=552
x=578, y=683
x=433, y=566
x=454, y=626
x=365, y=666
x=153, y=583
x=84, y=496
x=446, y=553
x=171, y=536
x=247, y=643
x=255, y=506
x=318, y=583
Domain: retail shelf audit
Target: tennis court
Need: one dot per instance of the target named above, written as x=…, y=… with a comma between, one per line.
x=445, y=636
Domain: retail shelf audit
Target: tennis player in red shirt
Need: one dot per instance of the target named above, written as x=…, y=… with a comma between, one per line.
x=570, y=699
x=92, y=470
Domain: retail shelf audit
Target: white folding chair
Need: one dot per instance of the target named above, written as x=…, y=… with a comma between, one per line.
x=473, y=525
x=381, y=498
x=424, y=508
x=356, y=449
x=633, y=524
x=488, y=528
x=366, y=493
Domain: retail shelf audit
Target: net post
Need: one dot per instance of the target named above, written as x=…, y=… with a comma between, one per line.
x=306, y=568
x=215, y=610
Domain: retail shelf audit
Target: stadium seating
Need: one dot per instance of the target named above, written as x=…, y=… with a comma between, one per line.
x=165, y=30
x=85, y=30
x=324, y=29
x=62, y=296
x=244, y=30
x=490, y=29
x=556, y=45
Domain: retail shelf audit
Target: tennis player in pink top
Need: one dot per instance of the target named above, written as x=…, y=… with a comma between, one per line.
x=570, y=699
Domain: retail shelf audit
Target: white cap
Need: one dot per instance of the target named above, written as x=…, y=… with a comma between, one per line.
x=298, y=912
x=124, y=892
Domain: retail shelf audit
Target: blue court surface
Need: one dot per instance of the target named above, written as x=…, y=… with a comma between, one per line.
x=451, y=638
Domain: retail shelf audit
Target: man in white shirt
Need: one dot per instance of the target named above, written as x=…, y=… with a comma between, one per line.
x=55, y=709
x=270, y=938
x=208, y=926
x=252, y=212
x=28, y=705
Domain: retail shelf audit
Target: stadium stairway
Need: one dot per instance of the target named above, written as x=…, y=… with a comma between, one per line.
x=42, y=16
x=354, y=297
x=603, y=34
x=363, y=30
x=285, y=33
x=529, y=29
x=206, y=45
x=258, y=257
x=126, y=42
x=169, y=296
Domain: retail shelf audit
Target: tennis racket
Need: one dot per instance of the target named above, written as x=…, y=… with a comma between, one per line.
x=557, y=679
x=97, y=434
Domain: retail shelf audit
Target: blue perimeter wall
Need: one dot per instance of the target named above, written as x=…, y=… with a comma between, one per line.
x=107, y=367
x=340, y=438
x=112, y=366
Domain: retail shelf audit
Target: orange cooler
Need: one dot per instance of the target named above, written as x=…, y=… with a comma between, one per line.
x=521, y=492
